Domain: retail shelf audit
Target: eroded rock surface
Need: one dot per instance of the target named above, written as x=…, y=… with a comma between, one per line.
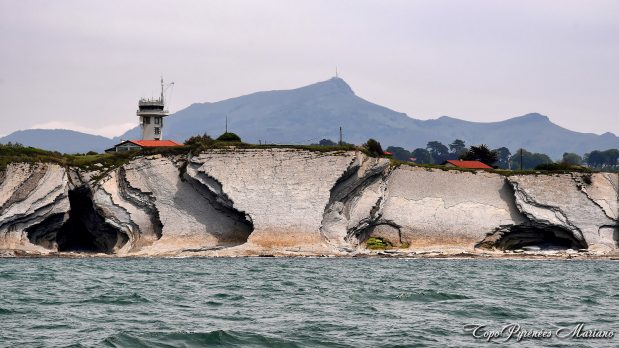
x=558, y=200
x=250, y=201
x=33, y=200
x=283, y=191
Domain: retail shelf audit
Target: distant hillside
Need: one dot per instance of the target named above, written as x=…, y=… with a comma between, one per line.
x=62, y=140
x=307, y=114
x=310, y=113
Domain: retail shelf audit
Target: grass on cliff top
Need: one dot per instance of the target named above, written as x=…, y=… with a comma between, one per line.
x=205, y=146
x=24, y=154
x=12, y=153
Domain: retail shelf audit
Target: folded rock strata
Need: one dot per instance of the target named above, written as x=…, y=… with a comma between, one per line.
x=252, y=201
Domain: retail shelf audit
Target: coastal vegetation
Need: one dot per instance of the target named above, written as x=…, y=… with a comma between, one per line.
x=15, y=152
x=501, y=159
x=376, y=243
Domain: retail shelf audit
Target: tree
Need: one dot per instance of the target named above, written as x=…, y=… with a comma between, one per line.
x=421, y=156
x=229, y=136
x=399, y=153
x=480, y=153
x=503, y=154
x=572, y=159
x=438, y=151
x=199, y=140
x=374, y=148
x=457, y=148
x=612, y=155
x=601, y=159
x=327, y=142
x=529, y=160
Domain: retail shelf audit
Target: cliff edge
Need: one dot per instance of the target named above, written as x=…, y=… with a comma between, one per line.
x=237, y=202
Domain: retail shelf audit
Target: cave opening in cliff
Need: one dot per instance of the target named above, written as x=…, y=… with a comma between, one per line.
x=535, y=236
x=86, y=230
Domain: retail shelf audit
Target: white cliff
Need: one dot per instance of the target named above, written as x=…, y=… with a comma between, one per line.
x=33, y=199
x=257, y=201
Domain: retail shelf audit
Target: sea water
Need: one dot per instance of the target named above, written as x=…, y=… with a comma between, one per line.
x=304, y=302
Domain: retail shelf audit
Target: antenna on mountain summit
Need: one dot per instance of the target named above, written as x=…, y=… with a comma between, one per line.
x=336, y=72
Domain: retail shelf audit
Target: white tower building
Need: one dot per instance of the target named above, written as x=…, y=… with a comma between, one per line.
x=151, y=113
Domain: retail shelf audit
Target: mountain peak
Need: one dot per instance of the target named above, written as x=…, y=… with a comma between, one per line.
x=333, y=85
x=533, y=117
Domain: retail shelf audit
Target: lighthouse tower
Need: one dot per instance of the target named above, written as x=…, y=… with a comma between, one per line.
x=152, y=113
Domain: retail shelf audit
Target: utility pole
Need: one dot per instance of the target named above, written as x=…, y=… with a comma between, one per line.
x=226, y=123
x=341, y=141
x=521, y=158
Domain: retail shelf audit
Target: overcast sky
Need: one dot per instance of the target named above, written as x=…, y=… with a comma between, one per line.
x=84, y=64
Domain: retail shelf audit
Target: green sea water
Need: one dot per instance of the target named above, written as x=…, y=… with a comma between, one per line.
x=301, y=302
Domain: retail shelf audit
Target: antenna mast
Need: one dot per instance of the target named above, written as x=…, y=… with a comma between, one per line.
x=162, y=88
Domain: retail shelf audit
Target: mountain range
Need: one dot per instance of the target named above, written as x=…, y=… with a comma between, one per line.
x=308, y=114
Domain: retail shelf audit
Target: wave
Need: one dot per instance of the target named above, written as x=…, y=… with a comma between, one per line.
x=133, y=298
x=6, y=311
x=216, y=338
x=430, y=295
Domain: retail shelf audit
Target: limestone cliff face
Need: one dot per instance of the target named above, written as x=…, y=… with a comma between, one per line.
x=246, y=202
x=448, y=208
x=33, y=200
x=563, y=201
x=282, y=192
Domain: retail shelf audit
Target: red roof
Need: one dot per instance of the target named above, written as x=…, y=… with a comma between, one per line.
x=387, y=153
x=469, y=164
x=155, y=143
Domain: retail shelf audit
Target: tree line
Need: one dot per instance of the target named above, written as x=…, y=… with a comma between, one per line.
x=436, y=152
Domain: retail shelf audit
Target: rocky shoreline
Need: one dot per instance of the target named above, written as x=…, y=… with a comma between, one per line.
x=292, y=202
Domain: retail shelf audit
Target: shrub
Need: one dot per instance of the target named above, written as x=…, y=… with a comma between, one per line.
x=373, y=147
x=562, y=166
x=229, y=136
x=377, y=243
x=196, y=140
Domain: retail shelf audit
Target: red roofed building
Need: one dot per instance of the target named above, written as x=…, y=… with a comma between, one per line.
x=132, y=145
x=151, y=113
x=466, y=164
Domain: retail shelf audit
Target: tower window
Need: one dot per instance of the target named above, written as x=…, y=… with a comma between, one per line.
x=157, y=119
x=157, y=130
x=146, y=120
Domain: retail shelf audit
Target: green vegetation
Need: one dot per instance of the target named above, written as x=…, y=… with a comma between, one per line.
x=562, y=166
x=199, y=143
x=572, y=158
x=229, y=137
x=373, y=148
x=376, y=243
x=10, y=153
x=480, y=153
x=399, y=153
x=329, y=142
x=607, y=160
x=438, y=152
x=524, y=160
